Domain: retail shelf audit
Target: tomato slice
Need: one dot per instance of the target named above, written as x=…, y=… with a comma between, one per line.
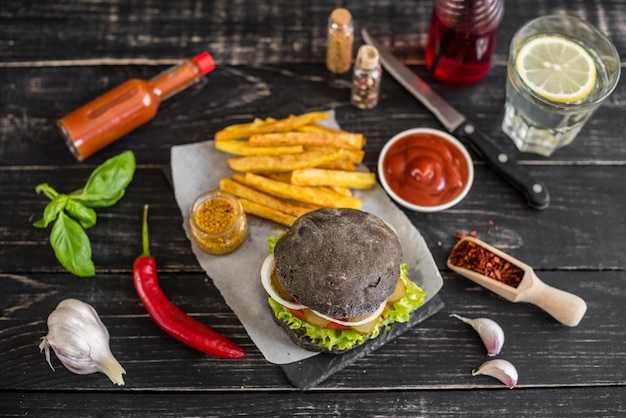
x=331, y=325
x=335, y=326
x=297, y=312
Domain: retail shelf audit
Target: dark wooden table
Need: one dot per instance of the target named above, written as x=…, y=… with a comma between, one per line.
x=55, y=56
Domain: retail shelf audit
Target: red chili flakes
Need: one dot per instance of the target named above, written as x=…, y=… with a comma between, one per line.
x=460, y=235
x=471, y=256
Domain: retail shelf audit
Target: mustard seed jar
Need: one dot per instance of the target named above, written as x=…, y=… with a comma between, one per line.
x=218, y=222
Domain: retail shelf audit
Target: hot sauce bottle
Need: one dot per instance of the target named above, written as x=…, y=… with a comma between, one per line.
x=127, y=106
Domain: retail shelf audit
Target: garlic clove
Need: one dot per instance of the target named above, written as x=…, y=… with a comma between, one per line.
x=502, y=370
x=80, y=341
x=489, y=331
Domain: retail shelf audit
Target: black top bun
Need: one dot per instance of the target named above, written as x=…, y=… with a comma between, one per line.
x=339, y=262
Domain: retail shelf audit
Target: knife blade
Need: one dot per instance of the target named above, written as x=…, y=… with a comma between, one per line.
x=500, y=162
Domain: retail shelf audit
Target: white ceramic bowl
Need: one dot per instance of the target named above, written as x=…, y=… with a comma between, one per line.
x=444, y=136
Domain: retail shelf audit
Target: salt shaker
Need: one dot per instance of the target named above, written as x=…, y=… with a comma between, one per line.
x=366, y=78
x=340, y=40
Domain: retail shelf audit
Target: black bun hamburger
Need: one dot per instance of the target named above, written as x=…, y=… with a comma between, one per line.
x=336, y=278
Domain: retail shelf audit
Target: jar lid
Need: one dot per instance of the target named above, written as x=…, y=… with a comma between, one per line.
x=205, y=62
x=368, y=57
x=341, y=16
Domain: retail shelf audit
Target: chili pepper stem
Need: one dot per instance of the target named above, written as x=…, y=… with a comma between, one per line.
x=144, y=233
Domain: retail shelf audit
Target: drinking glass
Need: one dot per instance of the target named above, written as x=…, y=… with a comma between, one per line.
x=539, y=125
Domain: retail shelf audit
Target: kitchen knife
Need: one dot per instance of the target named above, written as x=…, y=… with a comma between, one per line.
x=504, y=165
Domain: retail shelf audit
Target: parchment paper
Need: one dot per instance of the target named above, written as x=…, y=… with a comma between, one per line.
x=199, y=167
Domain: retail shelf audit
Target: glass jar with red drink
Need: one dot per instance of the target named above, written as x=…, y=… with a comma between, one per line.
x=462, y=38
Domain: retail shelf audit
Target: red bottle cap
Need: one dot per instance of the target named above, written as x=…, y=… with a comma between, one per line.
x=205, y=62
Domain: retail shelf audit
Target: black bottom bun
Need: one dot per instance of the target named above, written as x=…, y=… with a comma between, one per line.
x=303, y=341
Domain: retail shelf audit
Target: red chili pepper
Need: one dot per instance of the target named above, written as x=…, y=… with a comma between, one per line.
x=170, y=318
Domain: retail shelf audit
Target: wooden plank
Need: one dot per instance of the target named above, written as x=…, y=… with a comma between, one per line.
x=567, y=236
x=54, y=58
x=438, y=353
x=239, y=32
x=571, y=402
x=239, y=94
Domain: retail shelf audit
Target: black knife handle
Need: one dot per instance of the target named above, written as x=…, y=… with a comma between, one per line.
x=506, y=167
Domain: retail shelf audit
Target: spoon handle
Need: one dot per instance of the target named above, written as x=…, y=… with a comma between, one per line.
x=565, y=307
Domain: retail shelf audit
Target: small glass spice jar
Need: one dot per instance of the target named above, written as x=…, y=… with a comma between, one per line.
x=366, y=78
x=218, y=222
x=340, y=40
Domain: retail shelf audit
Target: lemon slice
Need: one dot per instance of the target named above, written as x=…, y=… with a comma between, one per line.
x=556, y=68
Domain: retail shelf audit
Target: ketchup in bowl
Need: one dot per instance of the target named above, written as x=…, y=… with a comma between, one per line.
x=425, y=169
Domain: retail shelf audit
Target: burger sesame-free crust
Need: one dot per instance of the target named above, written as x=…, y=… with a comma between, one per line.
x=340, y=262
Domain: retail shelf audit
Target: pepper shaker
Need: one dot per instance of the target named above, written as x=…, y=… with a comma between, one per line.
x=340, y=40
x=366, y=78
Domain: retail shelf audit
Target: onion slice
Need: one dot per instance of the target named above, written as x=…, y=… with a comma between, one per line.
x=266, y=281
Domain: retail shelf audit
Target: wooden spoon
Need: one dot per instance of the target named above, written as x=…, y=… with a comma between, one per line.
x=565, y=307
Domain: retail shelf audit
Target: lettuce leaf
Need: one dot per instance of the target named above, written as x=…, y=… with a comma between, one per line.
x=398, y=311
x=271, y=242
x=328, y=338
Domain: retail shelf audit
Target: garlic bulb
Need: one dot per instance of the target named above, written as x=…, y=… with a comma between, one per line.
x=489, y=331
x=80, y=340
x=502, y=370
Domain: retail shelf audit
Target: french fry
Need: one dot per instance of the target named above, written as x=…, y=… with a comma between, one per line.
x=285, y=177
x=343, y=191
x=337, y=178
x=345, y=140
x=291, y=166
x=306, y=194
x=244, y=148
x=353, y=155
x=238, y=130
x=249, y=125
x=248, y=193
x=316, y=127
x=264, y=212
x=342, y=163
x=261, y=127
x=281, y=163
x=241, y=178
x=308, y=206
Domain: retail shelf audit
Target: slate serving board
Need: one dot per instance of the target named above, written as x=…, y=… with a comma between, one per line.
x=308, y=373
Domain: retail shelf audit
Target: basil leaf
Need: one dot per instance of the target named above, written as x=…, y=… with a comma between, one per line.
x=86, y=216
x=93, y=201
x=71, y=246
x=107, y=182
x=52, y=210
x=47, y=190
